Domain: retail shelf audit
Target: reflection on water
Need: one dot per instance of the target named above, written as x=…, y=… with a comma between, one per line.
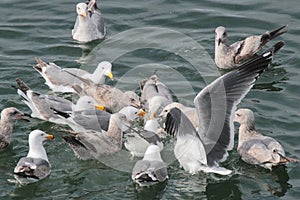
x=150, y=192
x=281, y=176
x=258, y=181
x=218, y=191
x=271, y=78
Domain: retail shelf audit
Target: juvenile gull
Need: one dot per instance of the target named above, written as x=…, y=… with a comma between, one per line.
x=8, y=117
x=155, y=96
x=43, y=106
x=89, y=23
x=255, y=148
x=112, y=98
x=58, y=80
x=137, y=141
x=35, y=166
x=231, y=56
x=95, y=145
x=151, y=169
x=215, y=104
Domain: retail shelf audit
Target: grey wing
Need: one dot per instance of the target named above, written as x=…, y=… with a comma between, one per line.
x=98, y=20
x=255, y=151
x=32, y=168
x=44, y=103
x=58, y=76
x=96, y=16
x=140, y=166
x=91, y=119
x=58, y=103
x=98, y=144
x=149, y=90
x=216, y=105
x=150, y=137
x=160, y=170
x=149, y=171
x=79, y=149
x=273, y=144
x=164, y=91
x=78, y=72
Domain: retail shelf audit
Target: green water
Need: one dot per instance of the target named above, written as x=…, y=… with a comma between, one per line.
x=177, y=39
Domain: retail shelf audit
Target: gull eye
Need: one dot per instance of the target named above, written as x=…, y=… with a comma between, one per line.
x=132, y=100
x=89, y=101
x=42, y=134
x=238, y=115
x=14, y=113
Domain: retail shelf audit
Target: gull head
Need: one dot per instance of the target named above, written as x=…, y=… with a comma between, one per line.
x=35, y=140
x=86, y=103
x=132, y=112
x=11, y=114
x=168, y=107
x=38, y=136
x=81, y=9
x=105, y=68
x=244, y=116
x=121, y=121
x=132, y=99
x=220, y=35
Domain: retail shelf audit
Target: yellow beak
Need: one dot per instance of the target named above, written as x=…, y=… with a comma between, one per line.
x=111, y=76
x=84, y=14
x=141, y=113
x=50, y=137
x=99, y=107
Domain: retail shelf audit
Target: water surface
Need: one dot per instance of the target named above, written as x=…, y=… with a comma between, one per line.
x=177, y=39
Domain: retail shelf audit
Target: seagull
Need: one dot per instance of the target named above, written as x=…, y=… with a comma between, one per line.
x=97, y=120
x=255, y=148
x=35, y=166
x=202, y=150
x=112, y=98
x=92, y=144
x=151, y=169
x=58, y=80
x=137, y=141
x=43, y=106
x=89, y=23
x=231, y=56
x=155, y=96
x=8, y=116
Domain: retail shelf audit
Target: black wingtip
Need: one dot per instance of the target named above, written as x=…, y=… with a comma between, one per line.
x=70, y=139
x=171, y=125
x=61, y=113
x=278, y=31
x=21, y=85
x=278, y=46
x=261, y=62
